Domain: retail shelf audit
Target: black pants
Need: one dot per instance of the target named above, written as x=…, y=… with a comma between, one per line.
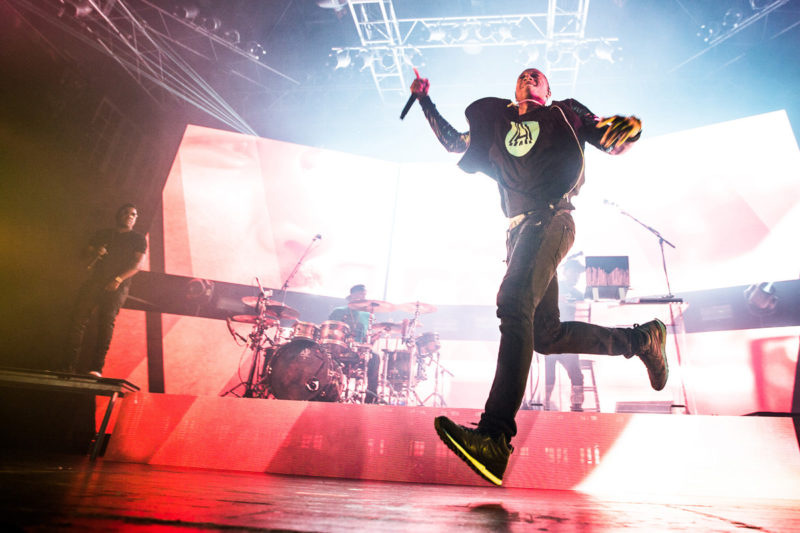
x=373, y=368
x=527, y=305
x=92, y=295
x=571, y=363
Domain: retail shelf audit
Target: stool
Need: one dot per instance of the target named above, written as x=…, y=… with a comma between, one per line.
x=590, y=385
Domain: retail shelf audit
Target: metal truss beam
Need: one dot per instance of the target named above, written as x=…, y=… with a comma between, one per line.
x=559, y=29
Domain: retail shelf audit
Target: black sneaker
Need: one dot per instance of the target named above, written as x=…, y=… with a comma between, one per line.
x=487, y=456
x=652, y=351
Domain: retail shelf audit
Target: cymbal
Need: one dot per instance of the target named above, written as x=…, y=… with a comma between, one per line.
x=247, y=319
x=280, y=311
x=411, y=307
x=371, y=306
x=252, y=301
x=269, y=320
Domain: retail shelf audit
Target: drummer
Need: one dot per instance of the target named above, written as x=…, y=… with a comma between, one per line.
x=358, y=322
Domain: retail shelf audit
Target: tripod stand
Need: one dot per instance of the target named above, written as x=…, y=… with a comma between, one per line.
x=438, y=399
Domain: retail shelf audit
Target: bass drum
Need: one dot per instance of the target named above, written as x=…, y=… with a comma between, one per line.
x=300, y=370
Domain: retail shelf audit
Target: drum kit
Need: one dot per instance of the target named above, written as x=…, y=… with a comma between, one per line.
x=328, y=362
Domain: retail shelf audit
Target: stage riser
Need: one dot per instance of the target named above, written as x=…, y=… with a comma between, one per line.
x=608, y=453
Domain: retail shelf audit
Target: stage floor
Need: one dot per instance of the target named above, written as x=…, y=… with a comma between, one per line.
x=41, y=492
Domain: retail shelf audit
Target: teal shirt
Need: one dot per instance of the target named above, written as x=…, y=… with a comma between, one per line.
x=357, y=321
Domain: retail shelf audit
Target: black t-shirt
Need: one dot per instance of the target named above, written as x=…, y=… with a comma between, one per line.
x=122, y=248
x=536, y=158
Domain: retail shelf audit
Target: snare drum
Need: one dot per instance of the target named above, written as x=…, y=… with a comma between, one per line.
x=304, y=331
x=356, y=354
x=428, y=344
x=333, y=336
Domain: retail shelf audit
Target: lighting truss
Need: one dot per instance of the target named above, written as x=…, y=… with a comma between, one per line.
x=760, y=11
x=158, y=49
x=558, y=31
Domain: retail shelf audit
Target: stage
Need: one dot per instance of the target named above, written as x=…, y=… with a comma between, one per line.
x=198, y=462
x=45, y=492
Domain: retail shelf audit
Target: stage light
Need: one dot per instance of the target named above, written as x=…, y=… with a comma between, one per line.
x=458, y=34
x=365, y=59
x=707, y=32
x=211, y=23
x=199, y=293
x=484, y=33
x=77, y=8
x=232, y=36
x=255, y=49
x=761, y=298
x=583, y=53
x=336, y=5
x=343, y=60
x=413, y=58
x=472, y=41
x=387, y=60
x=732, y=18
x=552, y=54
x=436, y=34
x=604, y=51
x=504, y=33
x=186, y=12
x=528, y=55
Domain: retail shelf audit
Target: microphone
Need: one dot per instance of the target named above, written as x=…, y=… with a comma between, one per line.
x=98, y=257
x=233, y=332
x=408, y=105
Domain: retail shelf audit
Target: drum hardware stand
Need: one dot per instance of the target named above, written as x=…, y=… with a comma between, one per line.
x=436, y=395
x=257, y=340
x=408, y=340
x=382, y=395
x=412, y=364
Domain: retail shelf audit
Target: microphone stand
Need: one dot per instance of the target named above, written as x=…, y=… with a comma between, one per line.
x=661, y=242
x=296, y=268
x=670, y=299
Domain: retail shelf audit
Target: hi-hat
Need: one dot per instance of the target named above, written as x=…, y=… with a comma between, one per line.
x=372, y=306
x=413, y=307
